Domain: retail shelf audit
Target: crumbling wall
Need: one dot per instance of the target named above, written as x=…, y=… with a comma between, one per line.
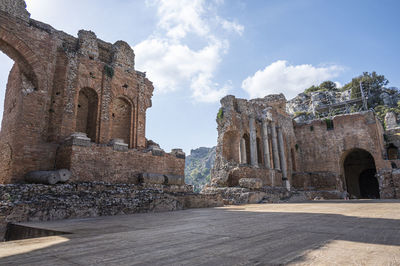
x=246, y=142
x=323, y=145
x=61, y=84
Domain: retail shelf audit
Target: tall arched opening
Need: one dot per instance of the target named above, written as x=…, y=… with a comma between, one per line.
x=19, y=86
x=359, y=171
x=86, y=115
x=121, y=116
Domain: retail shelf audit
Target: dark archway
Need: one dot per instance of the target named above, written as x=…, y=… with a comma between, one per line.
x=359, y=170
x=86, y=115
x=369, y=186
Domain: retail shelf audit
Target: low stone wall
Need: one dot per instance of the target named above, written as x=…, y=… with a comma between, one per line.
x=34, y=202
x=239, y=195
x=103, y=163
x=316, y=181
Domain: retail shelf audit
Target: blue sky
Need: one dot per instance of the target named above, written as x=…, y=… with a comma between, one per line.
x=196, y=51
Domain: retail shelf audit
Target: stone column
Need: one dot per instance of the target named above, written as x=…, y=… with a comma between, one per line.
x=275, y=151
x=253, y=141
x=243, y=156
x=267, y=160
x=283, y=159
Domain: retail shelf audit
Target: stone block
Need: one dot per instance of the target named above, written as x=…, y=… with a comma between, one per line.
x=178, y=153
x=78, y=139
x=150, y=178
x=118, y=145
x=175, y=179
x=253, y=183
x=48, y=177
x=156, y=151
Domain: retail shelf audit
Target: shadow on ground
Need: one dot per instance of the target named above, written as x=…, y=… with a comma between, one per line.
x=246, y=235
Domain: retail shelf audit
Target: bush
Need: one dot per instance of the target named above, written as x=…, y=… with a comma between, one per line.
x=220, y=114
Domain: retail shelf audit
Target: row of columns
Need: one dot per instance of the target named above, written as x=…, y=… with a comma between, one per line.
x=278, y=148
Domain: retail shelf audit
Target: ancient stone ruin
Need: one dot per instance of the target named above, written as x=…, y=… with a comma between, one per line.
x=76, y=103
x=79, y=104
x=261, y=147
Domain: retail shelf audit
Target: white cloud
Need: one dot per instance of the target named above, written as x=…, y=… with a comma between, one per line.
x=280, y=76
x=231, y=26
x=170, y=61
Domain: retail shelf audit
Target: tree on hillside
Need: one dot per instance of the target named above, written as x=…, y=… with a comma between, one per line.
x=328, y=86
x=372, y=84
x=324, y=86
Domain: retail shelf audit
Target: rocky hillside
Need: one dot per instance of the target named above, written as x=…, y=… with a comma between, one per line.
x=198, y=167
x=314, y=101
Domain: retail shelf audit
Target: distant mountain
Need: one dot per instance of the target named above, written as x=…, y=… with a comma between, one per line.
x=198, y=167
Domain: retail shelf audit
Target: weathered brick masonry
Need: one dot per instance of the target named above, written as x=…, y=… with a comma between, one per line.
x=59, y=85
x=260, y=145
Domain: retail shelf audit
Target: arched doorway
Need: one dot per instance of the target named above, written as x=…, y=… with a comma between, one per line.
x=359, y=171
x=5, y=68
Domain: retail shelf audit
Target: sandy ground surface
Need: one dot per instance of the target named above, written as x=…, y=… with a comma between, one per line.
x=362, y=232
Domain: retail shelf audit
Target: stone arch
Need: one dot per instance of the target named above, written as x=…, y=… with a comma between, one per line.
x=87, y=112
x=23, y=56
x=121, y=119
x=230, y=148
x=359, y=172
x=392, y=152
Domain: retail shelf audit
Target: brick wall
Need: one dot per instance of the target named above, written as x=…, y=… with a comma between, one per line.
x=61, y=84
x=102, y=163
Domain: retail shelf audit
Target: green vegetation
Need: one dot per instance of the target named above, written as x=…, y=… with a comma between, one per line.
x=329, y=123
x=382, y=110
x=373, y=85
x=198, y=167
x=109, y=71
x=220, y=114
x=324, y=86
x=372, y=82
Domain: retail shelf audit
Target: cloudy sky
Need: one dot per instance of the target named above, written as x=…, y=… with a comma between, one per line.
x=197, y=51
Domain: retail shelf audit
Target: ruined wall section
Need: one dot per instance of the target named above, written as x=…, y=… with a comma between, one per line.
x=24, y=129
x=93, y=163
x=233, y=153
x=321, y=151
x=51, y=69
